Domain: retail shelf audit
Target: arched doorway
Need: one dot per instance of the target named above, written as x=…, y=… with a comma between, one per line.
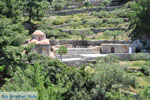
x=112, y=50
x=125, y=49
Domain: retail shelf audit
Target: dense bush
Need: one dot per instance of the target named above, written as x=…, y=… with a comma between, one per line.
x=146, y=70
x=62, y=50
x=120, y=13
x=93, y=22
x=115, y=21
x=108, y=59
x=58, y=4
x=113, y=33
x=144, y=95
x=140, y=56
x=100, y=14
x=139, y=20
x=106, y=2
x=50, y=32
x=75, y=24
x=86, y=3
x=52, y=79
x=58, y=22
x=111, y=77
x=117, y=13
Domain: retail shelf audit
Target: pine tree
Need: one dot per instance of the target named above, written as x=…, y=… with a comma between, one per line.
x=36, y=9
x=11, y=38
x=11, y=9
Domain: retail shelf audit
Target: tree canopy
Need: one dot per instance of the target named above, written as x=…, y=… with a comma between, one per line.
x=140, y=19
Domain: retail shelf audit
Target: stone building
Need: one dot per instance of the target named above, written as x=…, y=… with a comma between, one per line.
x=42, y=45
x=118, y=48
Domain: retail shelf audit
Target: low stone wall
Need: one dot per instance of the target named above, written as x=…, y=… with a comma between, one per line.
x=81, y=10
x=78, y=63
x=85, y=43
x=124, y=56
x=95, y=30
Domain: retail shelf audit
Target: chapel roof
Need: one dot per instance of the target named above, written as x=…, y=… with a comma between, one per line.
x=38, y=32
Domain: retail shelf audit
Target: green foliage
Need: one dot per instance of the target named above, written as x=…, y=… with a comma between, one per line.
x=101, y=14
x=113, y=33
x=75, y=24
x=58, y=4
x=108, y=59
x=113, y=95
x=83, y=34
x=123, y=13
x=115, y=21
x=93, y=22
x=62, y=50
x=146, y=70
x=144, y=95
x=11, y=9
x=50, y=32
x=106, y=2
x=117, y=13
x=34, y=79
x=51, y=79
x=86, y=3
x=36, y=9
x=139, y=19
x=112, y=76
x=10, y=46
x=140, y=56
x=58, y=22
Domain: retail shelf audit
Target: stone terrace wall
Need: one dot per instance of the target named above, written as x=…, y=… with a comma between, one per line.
x=96, y=30
x=84, y=43
x=81, y=11
x=77, y=63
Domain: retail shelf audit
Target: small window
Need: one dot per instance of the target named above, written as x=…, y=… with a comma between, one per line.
x=39, y=38
x=112, y=50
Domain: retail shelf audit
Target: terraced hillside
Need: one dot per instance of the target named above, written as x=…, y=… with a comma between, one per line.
x=104, y=24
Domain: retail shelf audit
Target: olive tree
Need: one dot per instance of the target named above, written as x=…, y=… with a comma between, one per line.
x=62, y=50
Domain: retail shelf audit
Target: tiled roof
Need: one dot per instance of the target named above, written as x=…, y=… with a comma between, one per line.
x=38, y=32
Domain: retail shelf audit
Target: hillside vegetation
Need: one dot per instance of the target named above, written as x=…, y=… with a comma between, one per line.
x=106, y=79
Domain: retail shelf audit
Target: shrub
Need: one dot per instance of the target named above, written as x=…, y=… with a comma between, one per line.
x=111, y=76
x=94, y=23
x=83, y=34
x=57, y=34
x=86, y=3
x=75, y=24
x=62, y=50
x=106, y=2
x=140, y=56
x=146, y=70
x=115, y=21
x=144, y=95
x=75, y=32
x=58, y=22
x=58, y=4
x=113, y=33
x=108, y=59
x=119, y=13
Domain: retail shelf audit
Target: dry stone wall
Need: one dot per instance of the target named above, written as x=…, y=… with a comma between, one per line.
x=85, y=43
x=69, y=12
x=94, y=30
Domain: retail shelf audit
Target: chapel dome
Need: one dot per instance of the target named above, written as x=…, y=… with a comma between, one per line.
x=38, y=32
